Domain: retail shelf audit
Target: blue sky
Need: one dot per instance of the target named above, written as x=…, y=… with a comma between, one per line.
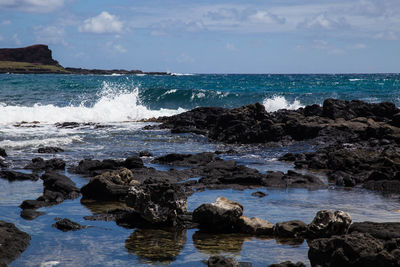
x=204, y=36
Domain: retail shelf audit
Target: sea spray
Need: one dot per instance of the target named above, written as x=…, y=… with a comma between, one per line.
x=279, y=102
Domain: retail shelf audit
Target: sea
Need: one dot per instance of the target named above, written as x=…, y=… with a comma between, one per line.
x=112, y=111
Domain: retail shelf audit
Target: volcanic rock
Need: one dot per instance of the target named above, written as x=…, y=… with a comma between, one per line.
x=291, y=229
x=18, y=176
x=221, y=261
x=41, y=164
x=50, y=150
x=327, y=224
x=13, y=242
x=68, y=225
x=254, y=226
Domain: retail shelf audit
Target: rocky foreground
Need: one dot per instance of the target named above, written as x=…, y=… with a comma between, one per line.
x=358, y=146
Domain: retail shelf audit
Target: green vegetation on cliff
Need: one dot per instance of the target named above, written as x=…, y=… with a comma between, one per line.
x=26, y=67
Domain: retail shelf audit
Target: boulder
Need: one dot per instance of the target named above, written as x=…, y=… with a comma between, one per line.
x=18, y=176
x=133, y=162
x=41, y=164
x=199, y=159
x=68, y=225
x=158, y=203
x=30, y=214
x=350, y=250
x=110, y=185
x=222, y=215
x=290, y=229
x=384, y=231
x=13, y=242
x=222, y=261
x=50, y=150
x=327, y=223
x=254, y=226
x=259, y=194
x=145, y=153
x=61, y=184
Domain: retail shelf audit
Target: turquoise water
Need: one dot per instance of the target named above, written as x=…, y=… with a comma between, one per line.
x=30, y=105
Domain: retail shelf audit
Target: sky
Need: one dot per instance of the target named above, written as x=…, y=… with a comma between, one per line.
x=211, y=36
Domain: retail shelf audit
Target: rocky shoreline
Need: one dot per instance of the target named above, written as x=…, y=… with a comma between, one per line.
x=358, y=147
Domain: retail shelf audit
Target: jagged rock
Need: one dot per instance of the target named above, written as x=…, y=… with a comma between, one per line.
x=222, y=215
x=327, y=224
x=110, y=185
x=288, y=264
x=145, y=153
x=41, y=164
x=292, y=229
x=259, y=194
x=3, y=152
x=159, y=203
x=68, y=225
x=254, y=226
x=18, y=176
x=350, y=250
x=222, y=261
x=50, y=149
x=96, y=167
x=13, y=242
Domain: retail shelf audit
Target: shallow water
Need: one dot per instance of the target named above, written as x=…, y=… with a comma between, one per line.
x=112, y=106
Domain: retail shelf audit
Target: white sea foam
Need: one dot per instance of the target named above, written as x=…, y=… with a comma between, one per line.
x=114, y=105
x=354, y=80
x=279, y=102
x=181, y=74
x=60, y=141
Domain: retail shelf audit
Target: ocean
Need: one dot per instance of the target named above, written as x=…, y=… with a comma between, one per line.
x=112, y=111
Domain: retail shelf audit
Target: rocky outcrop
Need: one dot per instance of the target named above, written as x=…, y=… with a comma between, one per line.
x=41, y=164
x=220, y=216
x=327, y=224
x=92, y=167
x=290, y=229
x=187, y=160
x=157, y=203
x=50, y=150
x=384, y=231
x=13, y=242
x=33, y=54
x=18, y=176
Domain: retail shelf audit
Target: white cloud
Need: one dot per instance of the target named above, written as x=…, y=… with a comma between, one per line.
x=323, y=21
x=116, y=47
x=103, y=23
x=50, y=35
x=266, y=17
x=36, y=6
x=357, y=46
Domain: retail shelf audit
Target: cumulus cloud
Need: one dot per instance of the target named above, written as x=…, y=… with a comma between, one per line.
x=102, y=23
x=37, y=6
x=323, y=21
x=50, y=35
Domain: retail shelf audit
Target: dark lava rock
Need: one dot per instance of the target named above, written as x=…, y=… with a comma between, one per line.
x=3, y=152
x=13, y=242
x=384, y=231
x=288, y=264
x=95, y=167
x=133, y=162
x=291, y=229
x=3, y=164
x=18, y=176
x=67, y=125
x=200, y=159
x=41, y=164
x=110, y=185
x=259, y=194
x=221, y=261
x=50, y=149
x=145, y=153
x=350, y=250
x=254, y=226
x=220, y=216
x=158, y=203
x=68, y=225
x=156, y=245
x=32, y=54
x=327, y=224
x=32, y=204
x=30, y=214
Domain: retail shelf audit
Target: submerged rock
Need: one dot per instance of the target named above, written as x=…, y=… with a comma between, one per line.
x=199, y=159
x=13, y=242
x=259, y=194
x=156, y=245
x=215, y=243
x=30, y=214
x=221, y=261
x=222, y=215
x=288, y=264
x=327, y=224
x=145, y=153
x=3, y=152
x=68, y=225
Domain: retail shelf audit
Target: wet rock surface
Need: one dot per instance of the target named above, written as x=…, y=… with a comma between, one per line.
x=290, y=229
x=3, y=152
x=288, y=264
x=18, y=176
x=68, y=225
x=222, y=261
x=41, y=164
x=50, y=150
x=13, y=242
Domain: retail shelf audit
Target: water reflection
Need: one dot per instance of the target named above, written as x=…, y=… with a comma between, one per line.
x=155, y=246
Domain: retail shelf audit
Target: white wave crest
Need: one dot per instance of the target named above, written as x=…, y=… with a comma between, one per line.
x=279, y=102
x=115, y=105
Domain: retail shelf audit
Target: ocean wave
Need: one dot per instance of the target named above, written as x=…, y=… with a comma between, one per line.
x=115, y=104
x=181, y=74
x=354, y=80
x=53, y=141
x=279, y=102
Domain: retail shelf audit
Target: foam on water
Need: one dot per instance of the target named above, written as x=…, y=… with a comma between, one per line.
x=115, y=104
x=279, y=102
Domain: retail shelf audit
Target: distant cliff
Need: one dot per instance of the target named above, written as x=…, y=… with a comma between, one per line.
x=40, y=54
